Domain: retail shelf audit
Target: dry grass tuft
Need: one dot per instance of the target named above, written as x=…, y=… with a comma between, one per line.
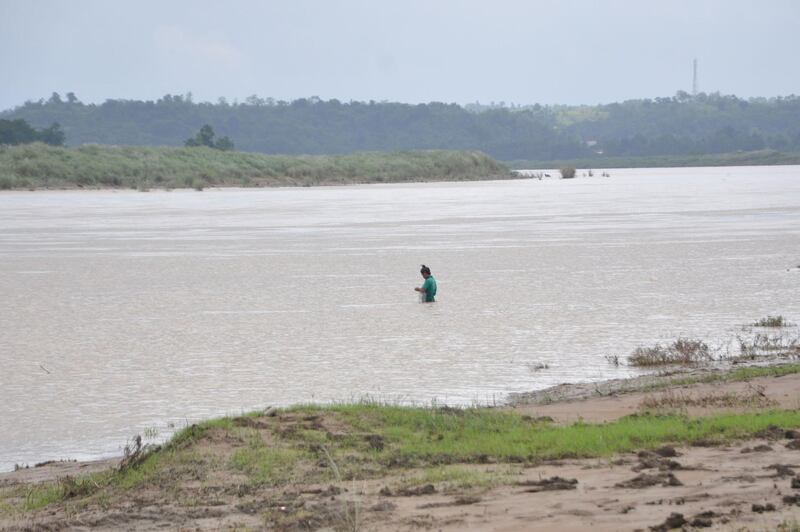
x=765, y=344
x=681, y=351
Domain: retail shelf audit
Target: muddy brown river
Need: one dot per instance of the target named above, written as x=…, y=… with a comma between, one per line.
x=128, y=313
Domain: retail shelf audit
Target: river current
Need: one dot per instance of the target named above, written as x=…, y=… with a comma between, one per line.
x=130, y=313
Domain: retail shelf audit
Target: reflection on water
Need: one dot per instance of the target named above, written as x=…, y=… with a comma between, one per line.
x=124, y=311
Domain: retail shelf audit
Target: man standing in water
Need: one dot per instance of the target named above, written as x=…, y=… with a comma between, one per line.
x=428, y=288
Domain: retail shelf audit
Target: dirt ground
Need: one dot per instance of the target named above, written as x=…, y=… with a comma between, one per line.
x=750, y=485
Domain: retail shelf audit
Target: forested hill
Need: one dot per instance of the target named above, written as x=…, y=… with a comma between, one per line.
x=679, y=125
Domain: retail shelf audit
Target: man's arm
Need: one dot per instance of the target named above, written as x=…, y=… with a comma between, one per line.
x=425, y=286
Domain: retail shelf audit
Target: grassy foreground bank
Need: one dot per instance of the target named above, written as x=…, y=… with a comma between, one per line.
x=386, y=467
x=310, y=445
x=36, y=166
x=750, y=158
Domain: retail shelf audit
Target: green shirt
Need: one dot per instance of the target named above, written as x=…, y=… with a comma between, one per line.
x=429, y=286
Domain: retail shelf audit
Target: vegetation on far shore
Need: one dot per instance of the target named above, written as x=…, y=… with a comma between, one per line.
x=740, y=158
x=34, y=166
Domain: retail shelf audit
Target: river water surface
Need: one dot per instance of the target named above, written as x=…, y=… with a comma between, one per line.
x=126, y=312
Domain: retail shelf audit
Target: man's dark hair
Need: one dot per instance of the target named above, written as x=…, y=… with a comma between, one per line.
x=425, y=269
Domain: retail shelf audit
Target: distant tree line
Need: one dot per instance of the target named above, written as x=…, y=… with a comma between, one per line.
x=678, y=125
x=690, y=125
x=304, y=126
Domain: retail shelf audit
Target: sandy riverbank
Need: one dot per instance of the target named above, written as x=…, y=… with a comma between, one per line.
x=750, y=484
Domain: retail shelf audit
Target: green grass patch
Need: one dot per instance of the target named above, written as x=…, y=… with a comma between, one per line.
x=35, y=496
x=746, y=373
x=265, y=465
x=194, y=432
x=419, y=436
x=41, y=496
x=147, y=471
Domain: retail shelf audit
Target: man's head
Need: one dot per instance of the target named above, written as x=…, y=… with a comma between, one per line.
x=425, y=271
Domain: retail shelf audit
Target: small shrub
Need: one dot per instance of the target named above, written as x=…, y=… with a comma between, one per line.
x=696, y=349
x=76, y=487
x=771, y=321
x=682, y=351
x=567, y=172
x=764, y=344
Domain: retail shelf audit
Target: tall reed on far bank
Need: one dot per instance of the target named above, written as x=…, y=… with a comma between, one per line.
x=33, y=166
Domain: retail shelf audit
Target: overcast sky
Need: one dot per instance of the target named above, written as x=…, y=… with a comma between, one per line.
x=463, y=51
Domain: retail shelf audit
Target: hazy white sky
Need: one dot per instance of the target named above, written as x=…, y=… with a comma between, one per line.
x=568, y=51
